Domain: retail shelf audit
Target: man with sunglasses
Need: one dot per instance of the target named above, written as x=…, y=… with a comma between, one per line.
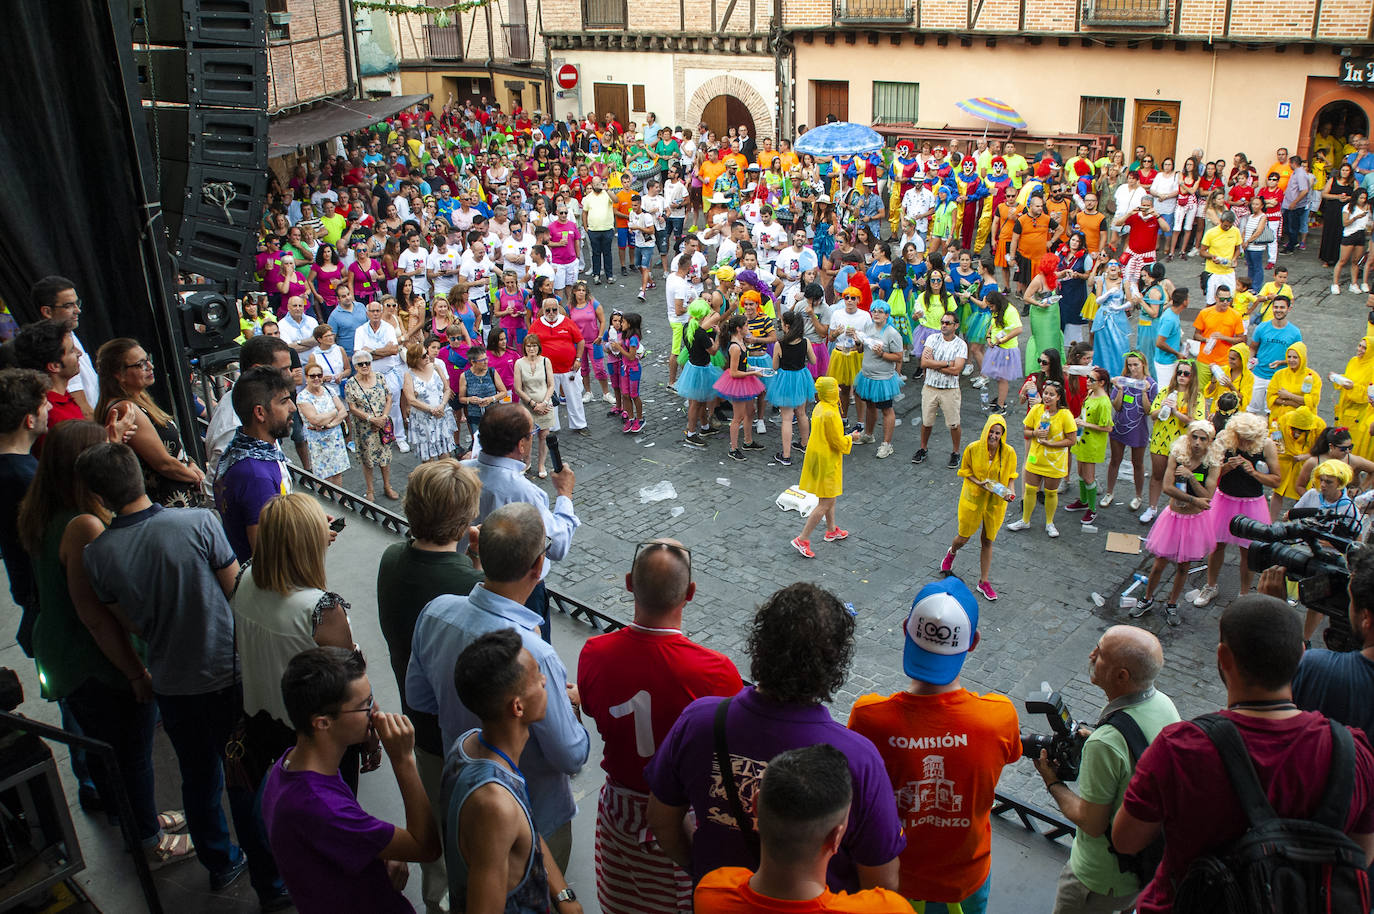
x=634, y=683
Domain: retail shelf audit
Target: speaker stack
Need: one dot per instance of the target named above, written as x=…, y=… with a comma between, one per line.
x=202, y=69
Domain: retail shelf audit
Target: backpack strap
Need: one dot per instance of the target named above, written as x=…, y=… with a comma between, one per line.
x=1235, y=758
x=727, y=777
x=1126, y=725
x=1334, y=809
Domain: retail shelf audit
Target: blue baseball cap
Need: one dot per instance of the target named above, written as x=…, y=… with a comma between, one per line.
x=940, y=631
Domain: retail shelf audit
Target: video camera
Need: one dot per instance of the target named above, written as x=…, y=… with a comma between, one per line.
x=1064, y=746
x=1311, y=548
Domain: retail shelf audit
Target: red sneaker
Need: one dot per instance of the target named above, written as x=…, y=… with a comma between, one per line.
x=948, y=564
x=1076, y=505
x=836, y=534
x=804, y=547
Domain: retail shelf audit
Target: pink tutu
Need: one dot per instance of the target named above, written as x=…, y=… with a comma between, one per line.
x=1181, y=537
x=738, y=389
x=1224, y=507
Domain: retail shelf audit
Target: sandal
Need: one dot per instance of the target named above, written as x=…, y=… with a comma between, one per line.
x=171, y=820
x=170, y=849
x=392, y=494
x=543, y=474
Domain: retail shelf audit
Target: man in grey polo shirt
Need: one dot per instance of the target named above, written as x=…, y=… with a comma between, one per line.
x=165, y=575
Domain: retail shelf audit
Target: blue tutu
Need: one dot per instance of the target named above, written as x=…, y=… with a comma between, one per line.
x=696, y=382
x=1002, y=364
x=876, y=390
x=791, y=388
x=761, y=361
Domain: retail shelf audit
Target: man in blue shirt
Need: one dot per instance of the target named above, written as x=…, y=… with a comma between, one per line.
x=1362, y=160
x=512, y=545
x=1269, y=342
x=1338, y=683
x=505, y=439
x=1169, y=338
x=346, y=319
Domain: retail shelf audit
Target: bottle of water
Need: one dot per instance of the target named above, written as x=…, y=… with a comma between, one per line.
x=1033, y=392
x=1307, y=384
x=983, y=396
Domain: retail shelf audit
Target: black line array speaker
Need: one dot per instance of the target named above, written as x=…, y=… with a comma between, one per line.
x=202, y=69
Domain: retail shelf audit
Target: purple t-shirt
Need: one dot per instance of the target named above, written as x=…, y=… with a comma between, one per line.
x=326, y=847
x=240, y=493
x=684, y=773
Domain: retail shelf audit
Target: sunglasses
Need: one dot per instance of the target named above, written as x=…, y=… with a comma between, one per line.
x=315, y=374
x=674, y=547
x=362, y=364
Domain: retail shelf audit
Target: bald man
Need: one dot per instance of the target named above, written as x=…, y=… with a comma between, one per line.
x=1124, y=665
x=634, y=683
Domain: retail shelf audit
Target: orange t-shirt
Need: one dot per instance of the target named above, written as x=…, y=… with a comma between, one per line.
x=766, y=156
x=943, y=754
x=1228, y=323
x=727, y=891
x=1006, y=213
x=1035, y=237
x=622, y=208
x=1090, y=224
x=709, y=171
x=1062, y=210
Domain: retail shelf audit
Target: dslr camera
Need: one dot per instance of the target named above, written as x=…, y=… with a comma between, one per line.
x=1312, y=549
x=1064, y=745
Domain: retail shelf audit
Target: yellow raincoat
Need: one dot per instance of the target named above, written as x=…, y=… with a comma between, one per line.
x=822, y=470
x=977, y=506
x=1305, y=382
x=1352, y=406
x=1299, y=428
x=1243, y=386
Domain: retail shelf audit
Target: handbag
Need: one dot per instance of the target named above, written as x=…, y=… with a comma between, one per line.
x=388, y=433
x=1266, y=236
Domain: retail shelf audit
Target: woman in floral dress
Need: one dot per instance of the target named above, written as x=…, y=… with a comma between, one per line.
x=324, y=415
x=433, y=431
x=369, y=404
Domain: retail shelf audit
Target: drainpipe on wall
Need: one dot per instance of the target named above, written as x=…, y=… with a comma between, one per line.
x=491, y=57
x=1212, y=85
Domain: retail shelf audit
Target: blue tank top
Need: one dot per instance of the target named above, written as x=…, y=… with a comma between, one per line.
x=464, y=775
x=485, y=386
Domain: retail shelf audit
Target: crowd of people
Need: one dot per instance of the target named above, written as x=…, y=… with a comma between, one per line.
x=434, y=277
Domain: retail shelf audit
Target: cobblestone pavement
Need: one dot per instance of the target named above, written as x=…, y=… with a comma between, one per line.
x=901, y=520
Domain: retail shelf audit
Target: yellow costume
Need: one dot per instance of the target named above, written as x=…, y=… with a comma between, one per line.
x=977, y=506
x=1304, y=381
x=822, y=471
x=1352, y=405
x=1243, y=386
x=1298, y=428
x=1048, y=462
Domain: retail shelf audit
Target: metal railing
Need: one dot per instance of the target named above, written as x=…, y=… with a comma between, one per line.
x=1126, y=12
x=1030, y=815
x=874, y=10
x=517, y=40
x=444, y=42
x=603, y=14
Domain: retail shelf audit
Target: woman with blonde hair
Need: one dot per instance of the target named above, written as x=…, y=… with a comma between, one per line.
x=1182, y=533
x=126, y=372
x=282, y=606
x=1249, y=462
x=1174, y=407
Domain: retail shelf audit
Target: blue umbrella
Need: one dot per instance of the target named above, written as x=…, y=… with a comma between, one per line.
x=839, y=139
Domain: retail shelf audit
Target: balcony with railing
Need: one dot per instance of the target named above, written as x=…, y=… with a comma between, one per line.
x=603, y=14
x=873, y=10
x=1152, y=13
x=517, y=40
x=443, y=42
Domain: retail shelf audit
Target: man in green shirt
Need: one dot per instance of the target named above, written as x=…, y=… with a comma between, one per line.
x=1124, y=665
x=333, y=223
x=1017, y=166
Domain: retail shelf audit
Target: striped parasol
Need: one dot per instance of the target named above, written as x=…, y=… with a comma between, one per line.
x=993, y=110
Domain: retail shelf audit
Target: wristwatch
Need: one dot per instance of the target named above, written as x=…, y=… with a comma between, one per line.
x=566, y=895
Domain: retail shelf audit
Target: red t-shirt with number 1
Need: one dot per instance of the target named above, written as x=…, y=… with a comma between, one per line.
x=635, y=682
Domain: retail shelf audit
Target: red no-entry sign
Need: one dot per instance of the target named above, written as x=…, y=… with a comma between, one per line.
x=567, y=76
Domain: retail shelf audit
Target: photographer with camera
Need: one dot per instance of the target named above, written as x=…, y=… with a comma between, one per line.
x=1124, y=665
x=1339, y=683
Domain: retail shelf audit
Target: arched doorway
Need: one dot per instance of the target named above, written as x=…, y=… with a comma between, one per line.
x=725, y=111
x=1342, y=118
x=1341, y=108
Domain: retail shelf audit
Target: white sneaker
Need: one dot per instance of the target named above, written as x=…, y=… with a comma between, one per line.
x=1335, y=288
x=1135, y=503
x=1204, y=596
x=968, y=369
x=1364, y=287
x=760, y=427
x=609, y=398
x=1105, y=500
x=403, y=447
x=884, y=450
x=865, y=438
x=1018, y=525
x=1052, y=531
x=980, y=382
x=586, y=396
x=1354, y=289
x=1149, y=515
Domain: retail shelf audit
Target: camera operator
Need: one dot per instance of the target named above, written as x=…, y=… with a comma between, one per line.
x=1124, y=665
x=1339, y=683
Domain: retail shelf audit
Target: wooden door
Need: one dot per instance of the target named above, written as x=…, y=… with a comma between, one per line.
x=725, y=111
x=832, y=97
x=612, y=97
x=1156, y=128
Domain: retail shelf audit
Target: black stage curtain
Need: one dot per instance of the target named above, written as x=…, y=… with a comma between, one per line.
x=75, y=159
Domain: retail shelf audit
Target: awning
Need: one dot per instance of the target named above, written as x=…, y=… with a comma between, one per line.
x=331, y=119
